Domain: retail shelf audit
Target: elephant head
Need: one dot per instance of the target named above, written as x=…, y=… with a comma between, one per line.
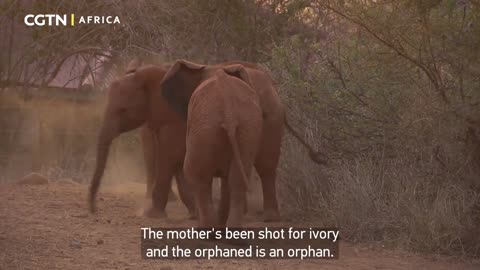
x=184, y=77
x=129, y=106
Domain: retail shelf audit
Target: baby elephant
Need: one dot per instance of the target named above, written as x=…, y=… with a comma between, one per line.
x=224, y=128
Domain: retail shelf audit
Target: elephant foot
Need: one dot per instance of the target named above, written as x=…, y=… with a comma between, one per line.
x=154, y=213
x=271, y=216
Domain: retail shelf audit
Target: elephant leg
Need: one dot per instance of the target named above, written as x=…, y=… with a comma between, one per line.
x=160, y=192
x=266, y=164
x=199, y=168
x=237, y=195
x=204, y=202
x=245, y=207
x=185, y=194
x=224, y=202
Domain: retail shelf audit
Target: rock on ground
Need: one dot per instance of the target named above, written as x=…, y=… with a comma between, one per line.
x=67, y=181
x=33, y=179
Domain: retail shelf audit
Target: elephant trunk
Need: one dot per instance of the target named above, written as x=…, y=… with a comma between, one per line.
x=104, y=142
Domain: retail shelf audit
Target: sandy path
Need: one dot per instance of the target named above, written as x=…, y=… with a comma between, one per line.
x=48, y=227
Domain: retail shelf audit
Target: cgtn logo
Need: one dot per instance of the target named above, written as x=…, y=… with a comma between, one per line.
x=65, y=20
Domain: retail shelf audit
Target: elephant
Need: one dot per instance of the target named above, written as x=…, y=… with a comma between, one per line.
x=136, y=100
x=224, y=132
x=133, y=102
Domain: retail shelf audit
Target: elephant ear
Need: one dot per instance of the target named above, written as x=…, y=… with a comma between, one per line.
x=179, y=83
x=133, y=65
x=238, y=71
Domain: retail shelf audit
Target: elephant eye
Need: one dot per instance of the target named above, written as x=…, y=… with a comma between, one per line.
x=122, y=110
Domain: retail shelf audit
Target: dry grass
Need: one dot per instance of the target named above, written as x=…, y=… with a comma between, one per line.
x=392, y=201
x=403, y=166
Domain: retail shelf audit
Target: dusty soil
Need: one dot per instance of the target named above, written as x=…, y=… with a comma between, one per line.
x=48, y=227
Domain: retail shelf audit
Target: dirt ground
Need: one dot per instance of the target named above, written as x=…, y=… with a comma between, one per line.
x=48, y=227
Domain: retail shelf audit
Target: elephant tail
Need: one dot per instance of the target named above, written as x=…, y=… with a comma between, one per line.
x=316, y=156
x=231, y=129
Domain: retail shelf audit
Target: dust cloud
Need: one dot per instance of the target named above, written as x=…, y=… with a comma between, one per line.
x=57, y=136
